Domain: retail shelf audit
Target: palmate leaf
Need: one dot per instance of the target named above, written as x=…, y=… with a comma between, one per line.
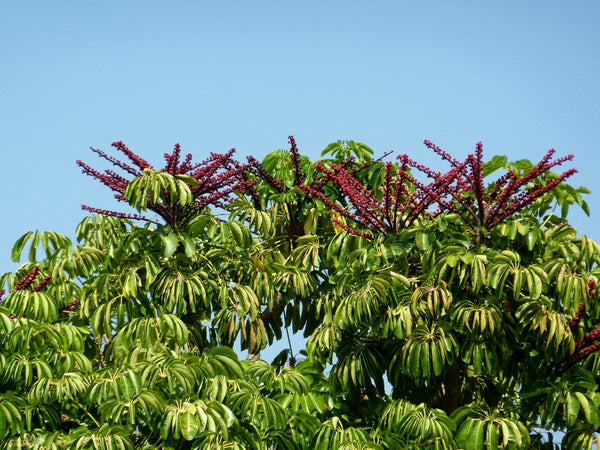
x=307, y=252
x=479, y=428
x=428, y=428
x=240, y=316
x=362, y=306
x=140, y=409
x=547, y=325
x=22, y=370
x=185, y=419
x=263, y=412
x=461, y=265
x=11, y=418
x=360, y=360
x=82, y=261
x=237, y=233
x=214, y=388
x=307, y=403
x=102, y=231
x=571, y=286
x=482, y=356
x=430, y=299
x=221, y=361
x=70, y=337
x=166, y=372
x=65, y=388
x=167, y=329
x=30, y=334
x=50, y=240
x=477, y=316
x=341, y=249
x=259, y=221
x=106, y=437
x=393, y=413
x=109, y=316
x=254, y=335
x=506, y=269
x=332, y=434
x=358, y=308
x=428, y=351
x=182, y=290
x=286, y=379
x=323, y=342
x=120, y=383
x=158, y=187
x=69, y=361
x=398, y=321
x=33, y=305
x=294, y=281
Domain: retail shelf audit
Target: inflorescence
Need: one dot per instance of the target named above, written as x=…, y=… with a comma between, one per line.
x=218, y=177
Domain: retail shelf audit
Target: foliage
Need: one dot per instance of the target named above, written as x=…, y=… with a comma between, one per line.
x=456, y=312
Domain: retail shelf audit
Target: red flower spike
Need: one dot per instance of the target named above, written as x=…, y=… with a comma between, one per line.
x=296, y=160
x=27, y=280
x=42, y=283
x=574, y=322
x=591, y=288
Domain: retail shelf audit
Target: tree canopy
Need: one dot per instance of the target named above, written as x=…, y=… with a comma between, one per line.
x=441, y=309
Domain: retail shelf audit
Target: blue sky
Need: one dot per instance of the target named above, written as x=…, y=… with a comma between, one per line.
x=522, y=77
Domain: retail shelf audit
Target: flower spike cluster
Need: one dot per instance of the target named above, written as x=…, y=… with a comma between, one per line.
x=218, y=177
x=484, y=208
x=400, y=205
x=460, y=190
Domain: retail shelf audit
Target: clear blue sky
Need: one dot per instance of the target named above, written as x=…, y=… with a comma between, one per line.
x=520, y=76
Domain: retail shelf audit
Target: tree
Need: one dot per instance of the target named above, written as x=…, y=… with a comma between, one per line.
x=458, y=311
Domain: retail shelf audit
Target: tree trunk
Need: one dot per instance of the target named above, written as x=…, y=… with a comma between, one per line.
x=450, y=399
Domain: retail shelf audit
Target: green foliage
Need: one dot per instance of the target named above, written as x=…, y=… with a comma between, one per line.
x=437, y=335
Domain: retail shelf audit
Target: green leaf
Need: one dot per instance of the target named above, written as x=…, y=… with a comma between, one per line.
x=191, y=181
x=423, y=240
x=189, y=426
x=475, y=439
x=19, y=245
x=170, y=243
x=189, y=245
x=497, y=162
